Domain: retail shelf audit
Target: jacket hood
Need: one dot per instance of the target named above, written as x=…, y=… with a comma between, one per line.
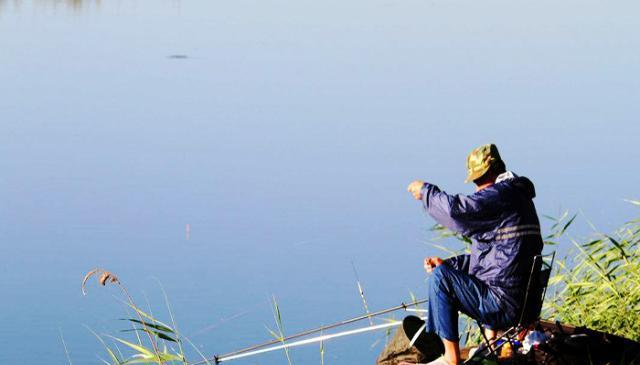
x=523, y=185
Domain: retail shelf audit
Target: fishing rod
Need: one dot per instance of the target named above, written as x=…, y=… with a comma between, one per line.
x=260, y=348
x=219, y=359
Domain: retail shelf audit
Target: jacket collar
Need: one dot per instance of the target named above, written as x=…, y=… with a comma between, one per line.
x=505, y=176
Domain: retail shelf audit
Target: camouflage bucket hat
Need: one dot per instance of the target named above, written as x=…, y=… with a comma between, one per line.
x=480, y=160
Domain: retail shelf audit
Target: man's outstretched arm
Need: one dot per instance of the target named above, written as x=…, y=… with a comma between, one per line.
x=460, y=213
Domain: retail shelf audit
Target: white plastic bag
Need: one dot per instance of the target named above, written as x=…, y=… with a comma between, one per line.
x=533, y=338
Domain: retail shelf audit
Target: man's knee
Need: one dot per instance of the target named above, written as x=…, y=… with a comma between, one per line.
x=438, y=275
x=441, y=270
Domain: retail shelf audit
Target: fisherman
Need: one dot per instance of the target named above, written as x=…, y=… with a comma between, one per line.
x=489, y=284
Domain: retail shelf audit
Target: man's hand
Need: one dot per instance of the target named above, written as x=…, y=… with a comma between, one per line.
x=431, y=263
x=415, y=188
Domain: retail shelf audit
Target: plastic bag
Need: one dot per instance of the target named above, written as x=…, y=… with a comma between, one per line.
x=533, y=338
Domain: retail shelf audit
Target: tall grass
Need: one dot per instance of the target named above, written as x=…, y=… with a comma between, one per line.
x=321, y=350
x=597, y=284
x=279, y=335
x=156, y=348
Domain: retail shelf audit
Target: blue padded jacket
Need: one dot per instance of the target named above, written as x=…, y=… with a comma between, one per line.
x=503, y=224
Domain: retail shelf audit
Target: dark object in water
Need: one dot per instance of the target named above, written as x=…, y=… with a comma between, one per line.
x=428, y=343
x=178, y=56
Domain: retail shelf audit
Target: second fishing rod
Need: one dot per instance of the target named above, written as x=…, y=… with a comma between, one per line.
x=320, y=329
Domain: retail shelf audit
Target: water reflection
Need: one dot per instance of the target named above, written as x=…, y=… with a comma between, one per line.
x=74, y=5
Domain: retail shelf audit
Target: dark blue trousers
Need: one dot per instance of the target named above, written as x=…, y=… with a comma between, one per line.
x=450, y=291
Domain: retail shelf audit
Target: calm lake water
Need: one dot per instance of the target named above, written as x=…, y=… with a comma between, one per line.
x=284, y=134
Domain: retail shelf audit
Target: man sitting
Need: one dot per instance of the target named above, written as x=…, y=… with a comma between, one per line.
x=489, y=284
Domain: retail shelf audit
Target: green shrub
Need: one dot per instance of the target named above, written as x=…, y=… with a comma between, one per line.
x=151, y=342
x=597, y=284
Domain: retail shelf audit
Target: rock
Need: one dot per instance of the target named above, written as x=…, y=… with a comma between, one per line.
x=398, y=350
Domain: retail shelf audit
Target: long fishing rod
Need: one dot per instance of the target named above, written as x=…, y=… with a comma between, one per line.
x=219, y=359
x=233, y=355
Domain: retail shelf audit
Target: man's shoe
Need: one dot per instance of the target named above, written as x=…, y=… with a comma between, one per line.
x=428, y=343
